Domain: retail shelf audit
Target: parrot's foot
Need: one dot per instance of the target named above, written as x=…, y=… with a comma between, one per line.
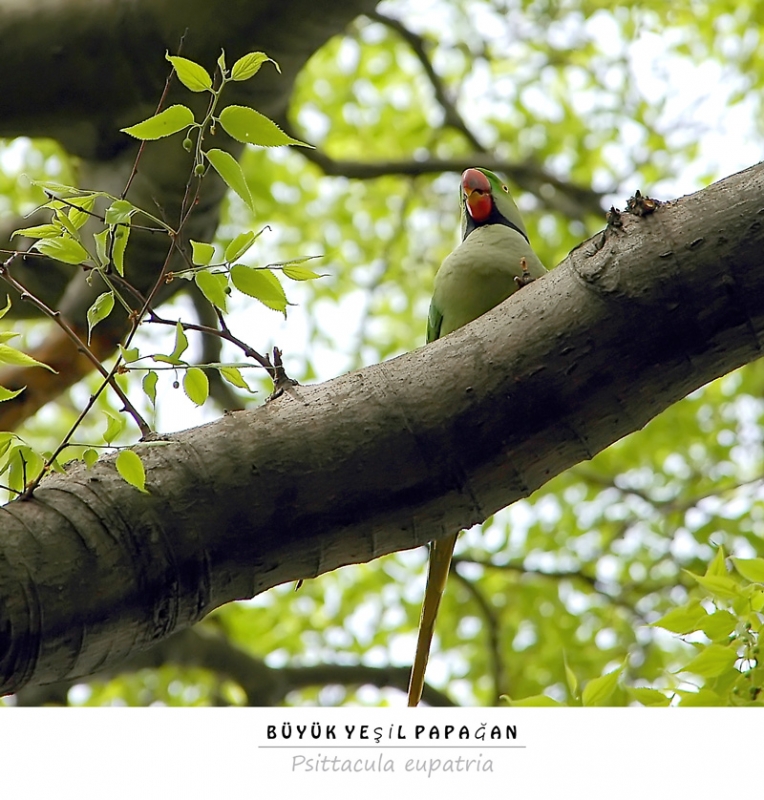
x=526, y=277
x=641, y=206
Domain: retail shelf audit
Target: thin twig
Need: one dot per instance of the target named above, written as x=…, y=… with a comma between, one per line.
x=29, y=490
x=225, y=335
x=57, y=317
x=162, y=99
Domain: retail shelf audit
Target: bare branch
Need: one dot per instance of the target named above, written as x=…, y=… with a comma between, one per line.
x=554, y=193
x=494, y=633
x=419, y=47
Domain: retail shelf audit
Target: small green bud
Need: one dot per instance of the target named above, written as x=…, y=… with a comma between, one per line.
x=199, y=170
x=187, y=144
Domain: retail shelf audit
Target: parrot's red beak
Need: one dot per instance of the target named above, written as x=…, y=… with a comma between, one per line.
x=477, y=194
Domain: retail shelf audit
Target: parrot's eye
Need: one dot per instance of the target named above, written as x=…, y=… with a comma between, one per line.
x=505, y=188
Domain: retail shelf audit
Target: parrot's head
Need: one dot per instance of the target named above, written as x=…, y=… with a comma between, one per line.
x=486, y=200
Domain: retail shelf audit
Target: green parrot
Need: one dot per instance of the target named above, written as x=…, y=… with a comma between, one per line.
x=493, y=260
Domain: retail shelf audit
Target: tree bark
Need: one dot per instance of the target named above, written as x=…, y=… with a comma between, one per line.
x=391, y=456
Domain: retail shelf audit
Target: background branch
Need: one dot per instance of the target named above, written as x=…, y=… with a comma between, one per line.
x=559, y=195
x=493, y=634
x=263, y=685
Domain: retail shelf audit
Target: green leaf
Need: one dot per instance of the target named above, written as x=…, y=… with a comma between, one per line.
x=120, y=211
x=58, y=188
x=55, y=464
x=45, y=231
x=79, y=215
x=535, y=701
x=297, y=273
x=702, y=698
x=752, y=569
x=165, y=123
x=149, y=385
x=718, y=585
x=718, y=566
x=4, y=311
x=599, y=690
x=251, y=127
x=648, y=697
x=192, y=75
x=229, y=170
x=196, y=386
x=62, y=248
x=683, y=620
x=239, y=245
x=712, y=661
x=130, y=467
x=101, y=308
x=90, y=456
x=234, y=377
x=213, y=286
x=23, y=464
x=115, y=424
x=129, y=355
x=102, y=246
x=121, y=234
x=250, y=64
x=62, y=218
x=10, y=355
x=719, y=625
x=181, y=342
x=6, y=439
x=261, y=284
x=201, y=253
x=8, y=394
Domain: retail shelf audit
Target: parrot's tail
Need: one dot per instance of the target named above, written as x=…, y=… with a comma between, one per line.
x=441, y=552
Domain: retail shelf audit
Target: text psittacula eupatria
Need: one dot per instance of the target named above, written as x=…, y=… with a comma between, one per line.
x=493, y=260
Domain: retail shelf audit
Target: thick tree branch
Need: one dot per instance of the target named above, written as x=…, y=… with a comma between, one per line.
x=393, y=455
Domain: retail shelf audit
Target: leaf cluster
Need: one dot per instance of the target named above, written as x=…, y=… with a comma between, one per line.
x=101, y=255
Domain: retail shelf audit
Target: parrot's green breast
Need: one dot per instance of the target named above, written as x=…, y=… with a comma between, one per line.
x=478, y=275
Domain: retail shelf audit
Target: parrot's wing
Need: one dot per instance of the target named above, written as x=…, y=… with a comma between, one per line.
x=434, y=323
